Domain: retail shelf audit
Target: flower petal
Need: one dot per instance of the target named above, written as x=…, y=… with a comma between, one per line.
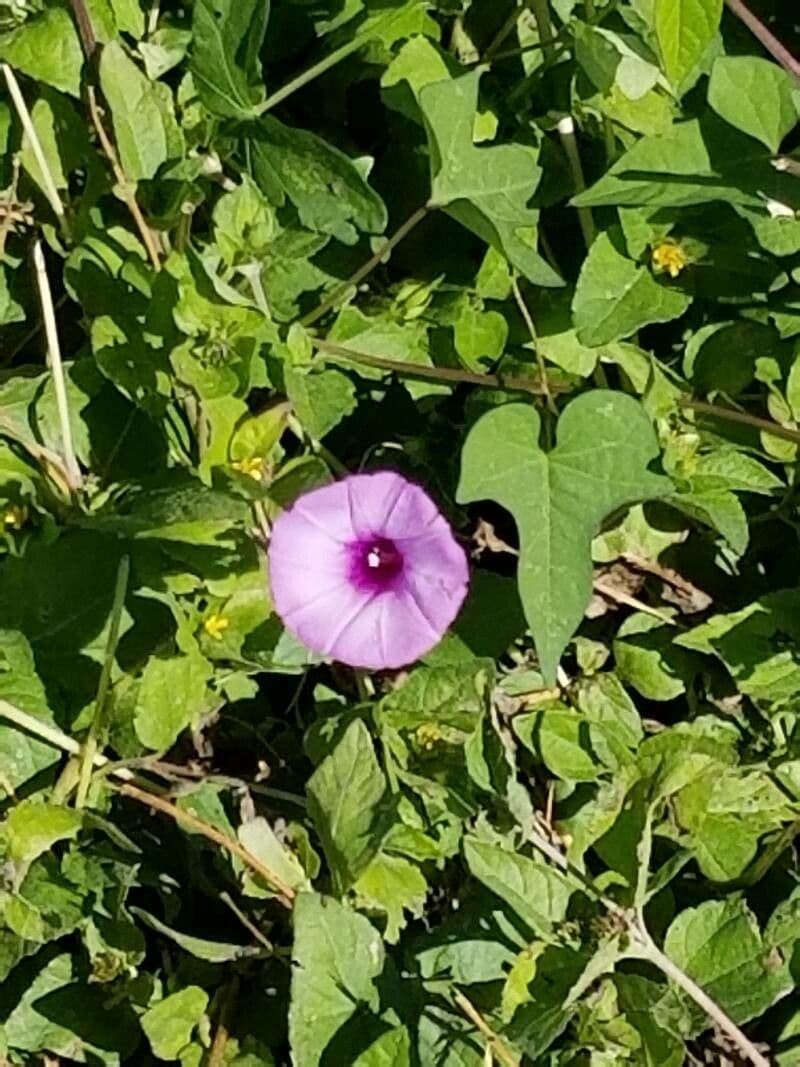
x=384, y=504
x=312, y=582
x=328, y=508
x=436, y=598
x=304, y=562
x=387, y=633
x=436, y=554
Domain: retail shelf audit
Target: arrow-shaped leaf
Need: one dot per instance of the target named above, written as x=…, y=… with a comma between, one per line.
x=486, y=189
x=559, y=498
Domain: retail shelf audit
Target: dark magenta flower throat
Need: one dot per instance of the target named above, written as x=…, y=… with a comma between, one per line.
x=376, y=564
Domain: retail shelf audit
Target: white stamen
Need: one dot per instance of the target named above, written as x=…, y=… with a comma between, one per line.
x=374, y=558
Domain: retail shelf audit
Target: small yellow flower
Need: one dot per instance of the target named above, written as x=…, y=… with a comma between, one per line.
x=252, y=467
x=15, y=516
x=428, y=735
x=215, y=626
x=669, y=257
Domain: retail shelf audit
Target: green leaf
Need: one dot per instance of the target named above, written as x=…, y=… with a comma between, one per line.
x=694, y=162
x=447, y=1039
x=329, y=190
x=725, y=812
x=33, y=827
x=47, y=48
x=719, y=945
x=138, y=112
x=345, y=795
x=227, y=37
x=320, y=398
x=419, y=62
x=647, y=659
x=392, y=1049
x=446, y=697
x=530, y=886
x=199, y=947
x=639, y=997
x=169, y=1023
x=751, y=644
x=244, y=224
x=684, y=30
x=54, y=121
x=754, y=95
x=61, y=604
x=617, y=723
x=466, y=961
x=163, y=50
x=382, y=335
x=257, y=436
x=172, y=696
x=129, y=17
x=479, y=336
x=719, y=509
x=393, y=885
x=561, y=739
x=337, y=955
x=22, y=755
x=10, y=309
x=616, y=296
x=180, y=510
x=260, y=840
x=560, y=498
x=50, y=1007
x=486, y=189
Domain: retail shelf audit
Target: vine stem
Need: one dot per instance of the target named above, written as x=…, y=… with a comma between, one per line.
x=90, y=746
x=124, y=183
x=326, y=63
x=314, y=72
x=765, y=425
x=499, y=38
x=85, y=27
x=541, y=13
x=58, y=739
x=51, y=735
x=48, y=182
x=526, y=315
x=501, y=1051
x=216, y=1055
x=768, y=39
x=566, y=131
x=285, y=893
x=643, y=946
x=653, y=953
x=126, y=186
x=446, y=375
x=250, y=926
x=56, y=368
x=366, y=268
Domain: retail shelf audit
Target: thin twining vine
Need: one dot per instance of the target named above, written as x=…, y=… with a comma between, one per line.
x=642, y=946
x=631, y=920
x=338, y=353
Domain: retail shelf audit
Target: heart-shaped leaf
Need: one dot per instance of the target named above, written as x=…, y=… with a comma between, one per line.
x=559, y=498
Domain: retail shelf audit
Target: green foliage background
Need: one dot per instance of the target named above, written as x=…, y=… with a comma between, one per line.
x=542, y=257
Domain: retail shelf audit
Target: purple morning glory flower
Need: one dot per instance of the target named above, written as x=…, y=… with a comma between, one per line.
x=367, y=571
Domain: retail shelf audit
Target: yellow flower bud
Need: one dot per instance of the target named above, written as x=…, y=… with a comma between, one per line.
x=215, y=626
x=252, y=467
x=15, y=516
x=669, y=257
